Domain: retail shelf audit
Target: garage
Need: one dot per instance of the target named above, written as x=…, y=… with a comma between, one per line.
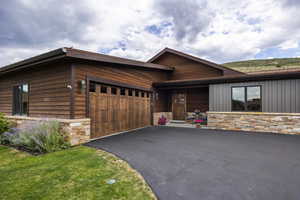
x=114, y=109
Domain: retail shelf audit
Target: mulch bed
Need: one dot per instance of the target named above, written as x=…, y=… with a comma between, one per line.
x=24, y=149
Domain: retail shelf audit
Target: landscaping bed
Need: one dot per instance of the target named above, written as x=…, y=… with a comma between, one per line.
x=75, y=173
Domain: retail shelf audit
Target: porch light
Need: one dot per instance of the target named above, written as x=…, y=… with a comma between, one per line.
x=82, y=85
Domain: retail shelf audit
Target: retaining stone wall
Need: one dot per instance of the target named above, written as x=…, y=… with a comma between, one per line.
x=77, y=130
x=284, y=123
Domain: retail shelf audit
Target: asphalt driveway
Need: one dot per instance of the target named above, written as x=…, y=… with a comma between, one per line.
x=195, y=164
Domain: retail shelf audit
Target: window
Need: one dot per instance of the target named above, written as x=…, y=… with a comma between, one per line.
x=143, y=94
x=114, y=90
x=136, y=93
x=254, y=98
x=130, y=91
x=238, y=99
x=20, y=99
x=246, y=98
x=103, y=89
x=92, y=87
x=123, y=91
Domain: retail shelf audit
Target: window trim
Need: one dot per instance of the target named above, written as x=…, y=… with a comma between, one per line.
x=246, y=98
x=21, y=99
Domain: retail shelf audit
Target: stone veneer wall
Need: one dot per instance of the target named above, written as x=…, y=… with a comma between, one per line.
x=77, y=130
x=157, y=115
x=285, y=123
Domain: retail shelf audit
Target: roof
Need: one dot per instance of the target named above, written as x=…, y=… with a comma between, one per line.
x=194, y=58
x=230, y=79
x=79, y=54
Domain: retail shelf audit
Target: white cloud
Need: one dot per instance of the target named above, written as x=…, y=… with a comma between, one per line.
x=217, y=30
x=289, y=44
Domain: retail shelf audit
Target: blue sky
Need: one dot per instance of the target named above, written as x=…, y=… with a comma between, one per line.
x=220, y=31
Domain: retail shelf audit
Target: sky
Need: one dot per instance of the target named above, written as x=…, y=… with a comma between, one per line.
x=220, y=31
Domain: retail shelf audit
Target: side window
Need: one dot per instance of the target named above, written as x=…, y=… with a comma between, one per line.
x=238, y=99
x=254, y=98
x=246, y=98
x=20, y=99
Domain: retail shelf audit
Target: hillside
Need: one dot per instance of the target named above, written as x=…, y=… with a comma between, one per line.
x=264, y=64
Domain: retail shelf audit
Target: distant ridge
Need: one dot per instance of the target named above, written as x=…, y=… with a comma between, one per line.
x=275, y=64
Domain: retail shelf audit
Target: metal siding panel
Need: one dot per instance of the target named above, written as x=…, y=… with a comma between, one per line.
x=209, y=98
x=277, y=96
x=279, y=90
x=274, y=98
x=297, y=88
x=215, y=98
x=270, y=97
x=286, y=100
x=220, y=96
x=288, y=96
x=281, y=96
x=293, y=96
x=225, y=98
x=285, y=103
x=228, y=98
x=221, y=103
x=265, y=97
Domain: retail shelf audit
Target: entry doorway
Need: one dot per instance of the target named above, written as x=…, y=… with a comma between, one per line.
x=179, y=105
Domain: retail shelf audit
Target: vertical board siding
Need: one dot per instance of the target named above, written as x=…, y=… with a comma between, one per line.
x=112, y=113
x=277, y=95
x=48, y=93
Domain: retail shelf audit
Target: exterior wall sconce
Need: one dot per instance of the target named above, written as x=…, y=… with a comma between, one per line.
x=82, y=85
x=156, y=95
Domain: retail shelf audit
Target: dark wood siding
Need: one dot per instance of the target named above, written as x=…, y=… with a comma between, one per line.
x=163, y=101
x=122, y=74
x=48, y=93
x=187, y=69
x=198, y=98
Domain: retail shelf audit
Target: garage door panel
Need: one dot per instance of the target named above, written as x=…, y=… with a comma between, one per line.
x=112, y=113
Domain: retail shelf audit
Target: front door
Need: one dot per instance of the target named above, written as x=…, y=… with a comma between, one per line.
x=179, y=105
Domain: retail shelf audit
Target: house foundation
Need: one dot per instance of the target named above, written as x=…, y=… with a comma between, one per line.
x=284, y=123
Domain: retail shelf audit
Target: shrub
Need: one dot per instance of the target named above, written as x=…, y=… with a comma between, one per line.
x=10, y=137
x=42, y=137
x=4, y=123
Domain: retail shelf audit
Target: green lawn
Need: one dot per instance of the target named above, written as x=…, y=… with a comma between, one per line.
x=77, y=173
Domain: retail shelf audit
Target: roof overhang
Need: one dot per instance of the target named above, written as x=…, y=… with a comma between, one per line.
x=228, y=79
x=70, y=53
x=226, y=70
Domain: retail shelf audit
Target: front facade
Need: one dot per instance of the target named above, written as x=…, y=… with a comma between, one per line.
x=118, y=94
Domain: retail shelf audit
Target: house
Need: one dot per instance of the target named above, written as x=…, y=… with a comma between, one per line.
x=95, y=95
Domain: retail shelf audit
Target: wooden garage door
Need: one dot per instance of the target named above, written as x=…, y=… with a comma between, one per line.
x=115, y=109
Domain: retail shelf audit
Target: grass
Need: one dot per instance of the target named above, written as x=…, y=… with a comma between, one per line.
x=77, y=173
x=264, y=64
